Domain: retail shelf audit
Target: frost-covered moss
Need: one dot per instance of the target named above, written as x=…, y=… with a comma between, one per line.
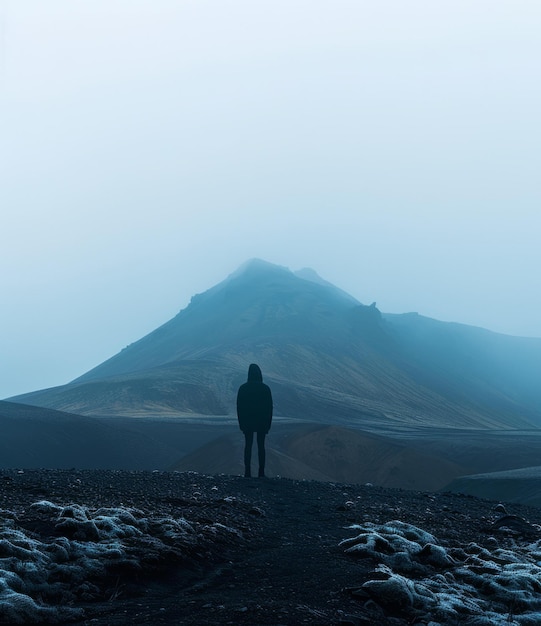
x=44, y=573
x=474, y=586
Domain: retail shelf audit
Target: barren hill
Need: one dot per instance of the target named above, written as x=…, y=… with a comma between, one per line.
x=330, y=453
x=34, y=437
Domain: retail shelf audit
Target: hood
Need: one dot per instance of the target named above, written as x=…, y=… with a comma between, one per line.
x=254, y=374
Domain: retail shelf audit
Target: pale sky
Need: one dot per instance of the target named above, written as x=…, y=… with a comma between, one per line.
x=149, y=147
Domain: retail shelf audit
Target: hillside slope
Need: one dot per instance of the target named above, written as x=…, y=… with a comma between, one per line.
x=34, y=437
x=329, y=453
x=519, y=485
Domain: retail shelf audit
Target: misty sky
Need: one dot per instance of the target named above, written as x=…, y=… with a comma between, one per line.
x=149, y=147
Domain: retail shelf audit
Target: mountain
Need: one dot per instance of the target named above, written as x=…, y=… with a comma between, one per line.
x=326, y=356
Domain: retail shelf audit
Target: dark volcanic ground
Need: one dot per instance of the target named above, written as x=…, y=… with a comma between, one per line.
x=253, y=551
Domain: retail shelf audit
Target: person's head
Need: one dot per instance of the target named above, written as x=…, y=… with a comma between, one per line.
x=254, y=374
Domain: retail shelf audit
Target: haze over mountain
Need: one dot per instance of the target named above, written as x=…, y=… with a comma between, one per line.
x=327, y=357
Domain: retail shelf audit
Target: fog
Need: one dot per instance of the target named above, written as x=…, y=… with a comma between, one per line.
x=149, y=148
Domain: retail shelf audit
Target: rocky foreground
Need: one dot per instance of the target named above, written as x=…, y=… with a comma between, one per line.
x=118, y=547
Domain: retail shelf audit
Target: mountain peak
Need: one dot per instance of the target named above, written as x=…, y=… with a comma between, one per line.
x=256, y=265
x=268, y=274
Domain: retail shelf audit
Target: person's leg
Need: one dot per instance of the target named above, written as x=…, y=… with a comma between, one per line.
x=248, y=441
x=261, y=452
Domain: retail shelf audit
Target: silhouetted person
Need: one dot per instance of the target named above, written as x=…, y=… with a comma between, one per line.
x=254, y=410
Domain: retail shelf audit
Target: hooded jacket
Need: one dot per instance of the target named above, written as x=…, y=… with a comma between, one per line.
x=254, y=403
